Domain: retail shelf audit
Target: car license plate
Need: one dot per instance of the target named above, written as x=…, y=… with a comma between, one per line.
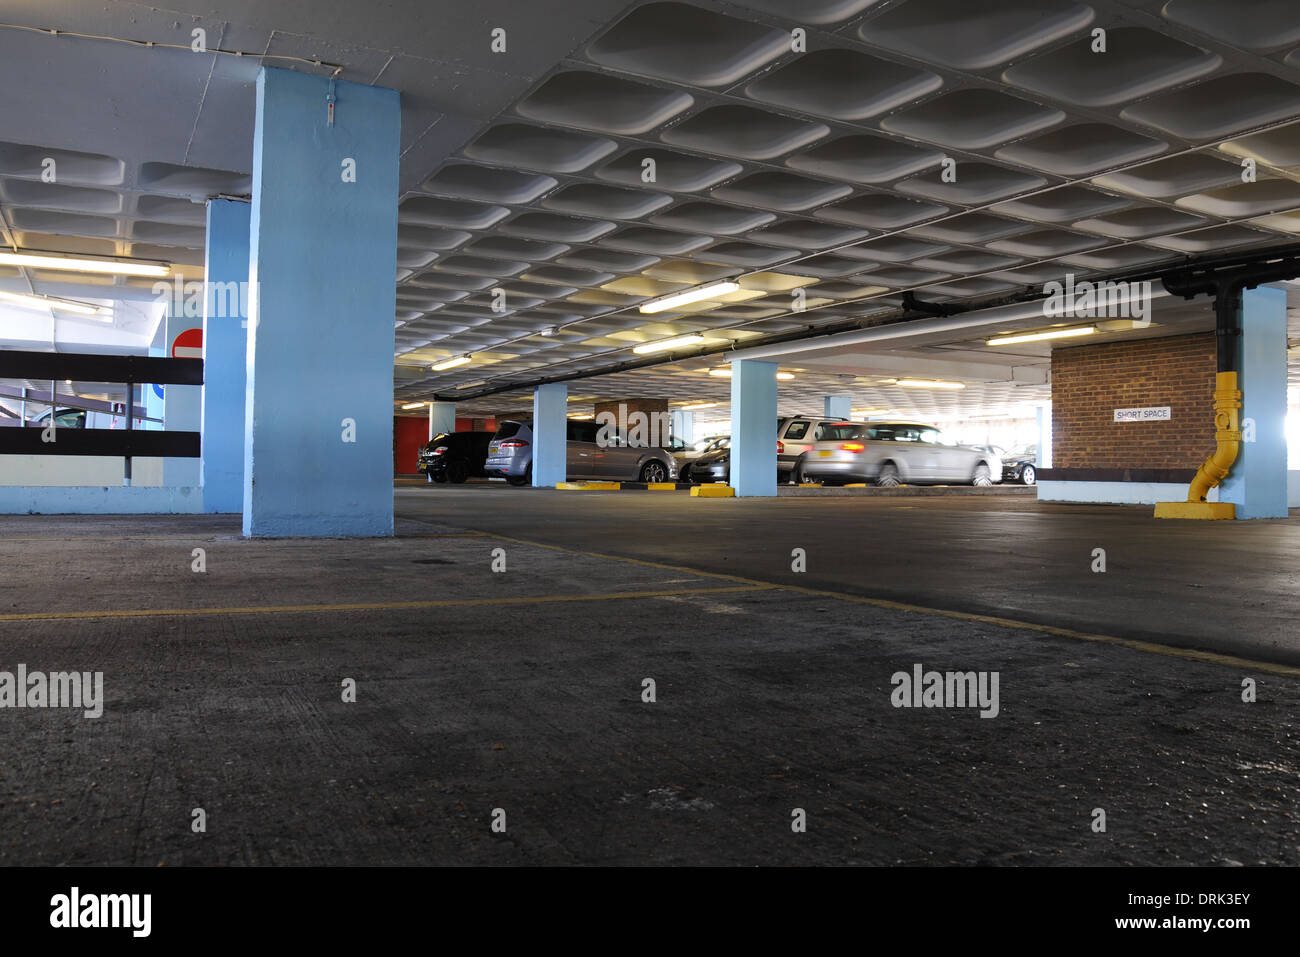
x=825, y=453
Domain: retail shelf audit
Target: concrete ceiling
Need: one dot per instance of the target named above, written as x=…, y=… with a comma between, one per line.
x=817, y=170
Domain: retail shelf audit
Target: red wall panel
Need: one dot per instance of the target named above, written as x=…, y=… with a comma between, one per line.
x=409, y=433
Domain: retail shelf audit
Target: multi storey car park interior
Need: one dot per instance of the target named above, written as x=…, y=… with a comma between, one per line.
x=302, y=238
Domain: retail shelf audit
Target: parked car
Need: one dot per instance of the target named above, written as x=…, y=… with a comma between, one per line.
x=1021, y=466
x=698, y=450
x=455, y=456
x=510, y=455
x=795, y=436
x=712, y=466
x=891, y=453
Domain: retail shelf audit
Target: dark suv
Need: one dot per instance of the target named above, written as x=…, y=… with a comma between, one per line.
x=455, y=456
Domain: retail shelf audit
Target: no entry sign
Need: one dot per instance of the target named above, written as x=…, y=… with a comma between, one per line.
x=188, y=345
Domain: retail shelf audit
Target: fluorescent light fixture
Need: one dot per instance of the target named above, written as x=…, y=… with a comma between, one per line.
x=930, y=384
x=413, y=405
x=711, y=291
x=698, y=405
x=72, y=263
x=582, y=415
x=1039, y=336
x=726, y=374
x=45, y=302
x=451, y=363
x=472, y=385
x=549, y=331
x=869, y=412
x=666, y=344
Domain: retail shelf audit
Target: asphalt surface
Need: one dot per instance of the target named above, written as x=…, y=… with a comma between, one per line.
x=523, y=690
x=1232, y=587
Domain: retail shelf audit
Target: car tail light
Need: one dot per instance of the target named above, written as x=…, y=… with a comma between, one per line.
x=780, y=448
x=514, y=444
x=852, y=446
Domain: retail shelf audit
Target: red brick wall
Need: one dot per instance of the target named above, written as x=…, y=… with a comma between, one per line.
x=1090, y=382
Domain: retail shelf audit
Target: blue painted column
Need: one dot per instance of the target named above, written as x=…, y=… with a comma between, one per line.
x=442, y=417
x=1257, y=482
x=225, y=354
x=1044, y=415
x=550, y=434
x=683, y=425
x=318, y=443
x=753, y=427
x=838, y=406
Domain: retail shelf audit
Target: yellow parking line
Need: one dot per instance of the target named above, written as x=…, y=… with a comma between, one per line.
x=1148, y=647
x=370, y=606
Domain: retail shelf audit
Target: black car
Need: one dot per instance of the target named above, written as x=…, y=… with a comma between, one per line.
x=1021, y=466
x=455, y=456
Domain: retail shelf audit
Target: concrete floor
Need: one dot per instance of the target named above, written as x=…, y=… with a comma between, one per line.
x=522, y=690
x=1231, y=587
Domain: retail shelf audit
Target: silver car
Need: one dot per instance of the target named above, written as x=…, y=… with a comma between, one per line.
x=795, y=437
x=891, y=453
x=697, y=449
x=510, y=455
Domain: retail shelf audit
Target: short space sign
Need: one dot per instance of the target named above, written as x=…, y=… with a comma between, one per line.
x=1150, y=414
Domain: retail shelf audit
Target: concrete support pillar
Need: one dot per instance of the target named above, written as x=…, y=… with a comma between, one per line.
x=442, y=417
x=550, y=434
x=753, y=427
x=1257, y=482
x=182, y=404
x=319, y=427
x=1044, y=415
x=684, y=425
x=838, y=406
x=225, y=354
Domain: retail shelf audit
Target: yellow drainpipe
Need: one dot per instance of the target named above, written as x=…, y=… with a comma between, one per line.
x=1227, y=435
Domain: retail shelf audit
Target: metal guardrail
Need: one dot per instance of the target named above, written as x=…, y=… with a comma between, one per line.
x=83, y=367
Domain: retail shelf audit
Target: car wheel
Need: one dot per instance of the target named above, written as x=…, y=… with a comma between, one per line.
x=654, y=471
x=457, y=472
x=888, y=477
x=982, y=476
x=439, y=477
x=1028, y=476
x=798, y=474
x=525, y=479
x=685, y=474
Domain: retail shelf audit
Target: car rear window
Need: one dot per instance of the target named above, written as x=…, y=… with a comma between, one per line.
x=507, y=429
x=837, y=431
x=894, y=433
